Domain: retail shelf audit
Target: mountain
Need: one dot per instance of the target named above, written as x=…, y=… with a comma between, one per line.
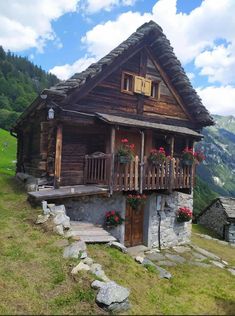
x=20, y=82
x=216, y=175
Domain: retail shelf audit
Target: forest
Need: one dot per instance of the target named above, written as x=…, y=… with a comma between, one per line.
x=20, y=83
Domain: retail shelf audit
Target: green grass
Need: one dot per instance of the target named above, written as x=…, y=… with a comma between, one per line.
x=35, y=279
x=7, y=152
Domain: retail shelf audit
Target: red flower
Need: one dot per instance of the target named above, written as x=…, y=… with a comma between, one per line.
x=116, y=218
x=124, y=140
x=132, y=146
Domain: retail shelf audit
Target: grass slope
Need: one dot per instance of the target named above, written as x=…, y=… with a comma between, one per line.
x=7, y=152
x=35, y=279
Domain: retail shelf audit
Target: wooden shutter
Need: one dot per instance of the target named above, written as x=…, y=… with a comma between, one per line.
x=138, y=84
x=147, y=87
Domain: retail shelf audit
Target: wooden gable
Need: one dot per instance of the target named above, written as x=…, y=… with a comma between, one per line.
x=108, y=97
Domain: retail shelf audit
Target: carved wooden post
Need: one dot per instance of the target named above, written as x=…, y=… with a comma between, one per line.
x=172, y=144
x=112, y=152
x=58, y=153
x=142, y=162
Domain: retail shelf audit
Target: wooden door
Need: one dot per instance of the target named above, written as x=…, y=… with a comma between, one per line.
x=134, y=222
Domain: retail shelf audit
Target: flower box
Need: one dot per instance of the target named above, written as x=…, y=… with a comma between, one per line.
x=184, y=214
x=124, y=159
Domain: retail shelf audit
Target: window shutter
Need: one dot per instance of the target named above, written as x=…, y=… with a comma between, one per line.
x=147, y=87
x=138, y=84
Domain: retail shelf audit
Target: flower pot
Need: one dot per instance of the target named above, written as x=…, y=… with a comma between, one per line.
x=124, y=159
x=187, y=162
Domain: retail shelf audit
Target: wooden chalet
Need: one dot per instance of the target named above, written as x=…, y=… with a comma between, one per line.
x=138, y=91
x=69, y=136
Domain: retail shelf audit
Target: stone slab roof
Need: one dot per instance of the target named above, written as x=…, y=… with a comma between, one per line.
x=228, y=205
x=126, y=121
x=163, y=51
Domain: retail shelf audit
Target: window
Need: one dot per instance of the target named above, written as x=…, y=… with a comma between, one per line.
x=127, y=82
x=155, y=90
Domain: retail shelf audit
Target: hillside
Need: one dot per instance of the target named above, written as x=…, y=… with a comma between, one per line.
x=20, y=82
x=7, y=152
x=218, y=170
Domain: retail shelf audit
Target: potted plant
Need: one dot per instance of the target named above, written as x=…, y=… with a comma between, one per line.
x=125, y=152
x=184, y=214
x=135, y=200
x=199, y=156
x=188, y=156
x=157, y=156
x=113, y=219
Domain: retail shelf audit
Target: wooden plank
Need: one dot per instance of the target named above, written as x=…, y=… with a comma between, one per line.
x=142, y=162
x=131, y=176
x=112, y=151
x=136, y=173
x=58, y=155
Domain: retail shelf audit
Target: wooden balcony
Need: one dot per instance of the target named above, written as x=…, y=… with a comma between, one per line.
x=136, y=176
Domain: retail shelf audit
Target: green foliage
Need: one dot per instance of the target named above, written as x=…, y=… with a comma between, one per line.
x=20, y=82
x=203, y=195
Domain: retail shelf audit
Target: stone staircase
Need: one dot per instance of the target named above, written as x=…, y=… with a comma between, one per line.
x=89, y=233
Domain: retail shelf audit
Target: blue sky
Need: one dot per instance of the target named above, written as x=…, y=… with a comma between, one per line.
x=65, y=36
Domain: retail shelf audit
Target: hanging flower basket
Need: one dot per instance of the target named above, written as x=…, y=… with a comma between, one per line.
x=124, y=159
x=136, y=200
x=157, y=156
x=184, y=214
x=113, y=219
x=125, y=152
x=189, y=157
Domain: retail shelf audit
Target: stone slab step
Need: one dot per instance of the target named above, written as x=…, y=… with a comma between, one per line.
x=98, y=239
x=90, y=232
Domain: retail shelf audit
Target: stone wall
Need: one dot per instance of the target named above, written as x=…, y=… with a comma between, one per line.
x=171, y=232
x=231, y=233
x=92, y=209
x=215, y=219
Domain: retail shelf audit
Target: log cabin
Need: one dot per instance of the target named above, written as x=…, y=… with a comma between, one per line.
x=70, y=136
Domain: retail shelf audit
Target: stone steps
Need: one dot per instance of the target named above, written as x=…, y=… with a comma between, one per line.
x=89, y=232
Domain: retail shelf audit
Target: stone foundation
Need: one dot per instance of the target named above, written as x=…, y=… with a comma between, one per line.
x=171, y=232
x=93, y=209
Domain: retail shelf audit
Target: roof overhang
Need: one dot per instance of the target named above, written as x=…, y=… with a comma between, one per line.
x=124, y=121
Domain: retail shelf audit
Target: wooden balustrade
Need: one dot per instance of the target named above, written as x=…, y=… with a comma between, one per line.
x=97, y=169
x=170, y=175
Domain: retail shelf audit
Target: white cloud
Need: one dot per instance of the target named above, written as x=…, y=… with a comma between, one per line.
x=190, y=34
x=218, y=64
x=25, y=23
x=219, y=100
x=93, y=6
x=190, y=75
x=65, y=71
x=104, y=37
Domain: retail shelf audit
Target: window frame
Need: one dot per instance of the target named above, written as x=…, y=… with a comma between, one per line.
x=122, y=82
x=158, y=94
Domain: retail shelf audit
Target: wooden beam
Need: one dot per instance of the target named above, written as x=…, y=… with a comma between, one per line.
x=112, y=152
x=169, y=84
x=58, y=153
x=142, y=162
x=142, y=73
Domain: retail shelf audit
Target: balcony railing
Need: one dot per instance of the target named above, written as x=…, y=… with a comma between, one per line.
x=170, y=175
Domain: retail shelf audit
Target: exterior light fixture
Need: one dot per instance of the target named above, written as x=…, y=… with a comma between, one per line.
x=51, y=114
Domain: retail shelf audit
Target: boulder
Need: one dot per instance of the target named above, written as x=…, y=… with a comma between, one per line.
x=97, y=270
x=74, y=250
x=118, y=245
x=57, y=209
x=59, y=229
x=42, y=219
x=80, y=267
x=232, y=271
x=88, y=261
x=62, y=219
x=83, y=255
x=163, y=274
x=139, y=259
x=119, y=307
x=111, y=293
x=97, y=284
x=45, y=209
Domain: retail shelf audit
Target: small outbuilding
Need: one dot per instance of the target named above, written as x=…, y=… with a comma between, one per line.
x=220, y=217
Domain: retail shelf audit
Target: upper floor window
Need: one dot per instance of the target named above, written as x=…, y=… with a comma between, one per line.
x=127, y=82
x=155, y=89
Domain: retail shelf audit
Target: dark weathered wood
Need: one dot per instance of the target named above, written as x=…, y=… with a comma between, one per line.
x=58, y=154
x=112, y=151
